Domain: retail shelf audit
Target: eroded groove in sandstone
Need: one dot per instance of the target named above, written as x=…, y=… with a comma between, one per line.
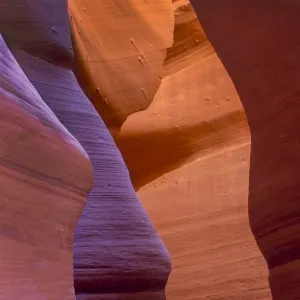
x=186, y=121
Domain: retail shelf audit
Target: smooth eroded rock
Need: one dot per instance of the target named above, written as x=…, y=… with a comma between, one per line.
x=120, y=48
x=45, y=178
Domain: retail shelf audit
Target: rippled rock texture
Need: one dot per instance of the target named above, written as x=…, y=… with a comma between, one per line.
x=55, y=150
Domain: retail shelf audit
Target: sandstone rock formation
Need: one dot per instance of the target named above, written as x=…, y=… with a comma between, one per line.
x=120, y=48
x=264, y=69
x=190, y=44
x=45, y=178
x=188, y=156
x=188, y=153
x=117, y=254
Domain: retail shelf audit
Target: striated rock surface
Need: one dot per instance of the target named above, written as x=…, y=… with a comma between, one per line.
x=200, y=210
x=190, y=43
x=120, y=48
x=45, y=177
x=188, y=156
x=117, y=253
x=188, y=153
x=195, y=112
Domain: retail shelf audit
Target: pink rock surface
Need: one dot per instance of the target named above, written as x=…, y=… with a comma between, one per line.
x=116, y=249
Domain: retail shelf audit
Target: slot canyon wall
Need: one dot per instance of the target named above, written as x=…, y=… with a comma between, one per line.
x=258, y=44
x=188, y=152
x=176, y=117
x=188, y=155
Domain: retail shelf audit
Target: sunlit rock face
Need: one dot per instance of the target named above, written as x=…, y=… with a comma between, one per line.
x=120, y=48
x=149, y=71
x=188, y=155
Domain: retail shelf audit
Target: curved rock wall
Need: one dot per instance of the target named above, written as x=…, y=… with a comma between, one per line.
x=190, y=43
x=188, y=153
x=258, y=43
x=40, y=199
x=117, y=253
x=120, y=48
x=188, y=156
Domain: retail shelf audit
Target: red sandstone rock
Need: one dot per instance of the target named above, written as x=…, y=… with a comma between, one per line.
x=258, y=43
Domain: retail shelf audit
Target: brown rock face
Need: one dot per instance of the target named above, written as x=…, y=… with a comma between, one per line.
x=264, y=65
x=117, y=253
x=120, y=48
x=190, y=43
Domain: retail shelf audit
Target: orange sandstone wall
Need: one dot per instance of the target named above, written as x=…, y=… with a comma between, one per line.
x=188, y=156
x=185, y=139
